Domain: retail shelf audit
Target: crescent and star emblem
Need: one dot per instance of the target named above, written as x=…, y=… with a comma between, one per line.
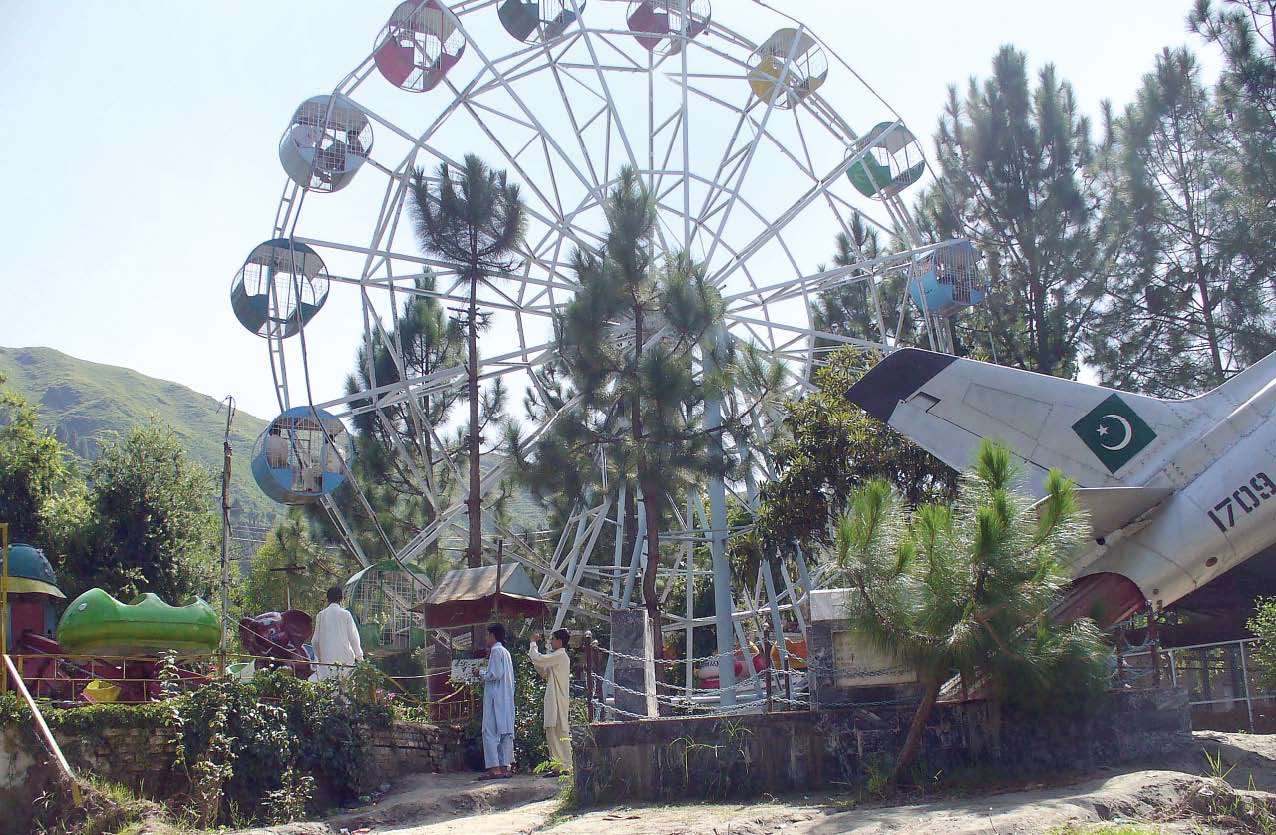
x=1125, y=426
x=1114, y=432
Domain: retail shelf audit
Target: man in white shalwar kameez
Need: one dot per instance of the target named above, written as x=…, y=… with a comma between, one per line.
x=498, y=705
x=336, y=639
x=556, y=668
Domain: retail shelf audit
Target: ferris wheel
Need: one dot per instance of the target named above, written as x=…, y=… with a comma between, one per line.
x=758, y=143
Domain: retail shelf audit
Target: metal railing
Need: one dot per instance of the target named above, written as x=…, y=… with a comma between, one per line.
x=1217, y=676
x=64, y=678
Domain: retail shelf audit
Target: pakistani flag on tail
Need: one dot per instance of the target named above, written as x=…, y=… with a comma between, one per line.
x=1114, y=433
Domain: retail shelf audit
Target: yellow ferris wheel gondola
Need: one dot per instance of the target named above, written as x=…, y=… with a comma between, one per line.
x=808, y=69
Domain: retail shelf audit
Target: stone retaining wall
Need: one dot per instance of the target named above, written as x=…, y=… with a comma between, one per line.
x=142, y=759
x=749, y=755
x=414, y=748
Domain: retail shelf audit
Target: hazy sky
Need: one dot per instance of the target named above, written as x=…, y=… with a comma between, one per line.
x=141, y=162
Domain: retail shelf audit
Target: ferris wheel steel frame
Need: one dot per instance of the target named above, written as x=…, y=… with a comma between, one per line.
x=543, y=283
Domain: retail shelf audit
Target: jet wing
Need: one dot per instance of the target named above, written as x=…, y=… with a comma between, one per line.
x=1113, y=508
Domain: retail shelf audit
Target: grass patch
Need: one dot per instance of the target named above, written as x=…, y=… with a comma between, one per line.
x=107, y=808
x=565, y=807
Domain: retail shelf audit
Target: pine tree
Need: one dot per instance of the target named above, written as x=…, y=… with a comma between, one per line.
x=291, y=570
x=1177, y=317
x=1245, y=32
x=967, y=590
x=395, y=451
x=626, y=344
x=474, y=218
x=849, y=309
x=1012, y=177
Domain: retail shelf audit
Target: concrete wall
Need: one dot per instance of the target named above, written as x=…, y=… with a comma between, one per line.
x=23, y=778
x=746, y=756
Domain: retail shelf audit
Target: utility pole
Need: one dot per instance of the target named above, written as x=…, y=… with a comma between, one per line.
x=226, y=457
x=4, y=600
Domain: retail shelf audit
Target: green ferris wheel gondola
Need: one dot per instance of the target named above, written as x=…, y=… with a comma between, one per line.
x=381, y=598
x=892, y=163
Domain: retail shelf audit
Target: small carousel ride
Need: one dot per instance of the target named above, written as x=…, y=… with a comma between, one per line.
x=104, y=650
x=100, y=649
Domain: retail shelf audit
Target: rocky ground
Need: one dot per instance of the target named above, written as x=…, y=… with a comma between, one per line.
x=1177, y=794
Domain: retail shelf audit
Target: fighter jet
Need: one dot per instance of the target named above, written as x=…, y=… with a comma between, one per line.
x=1178, y=491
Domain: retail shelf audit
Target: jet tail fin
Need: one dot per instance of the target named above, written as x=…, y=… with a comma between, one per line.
x=1096, y=436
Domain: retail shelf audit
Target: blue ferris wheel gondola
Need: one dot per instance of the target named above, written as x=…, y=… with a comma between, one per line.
x=946, y=278
x=303, y=455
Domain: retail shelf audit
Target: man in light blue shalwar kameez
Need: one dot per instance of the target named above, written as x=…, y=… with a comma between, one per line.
x=498, y=706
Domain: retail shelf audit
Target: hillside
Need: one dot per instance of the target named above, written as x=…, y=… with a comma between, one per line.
x=85, y=402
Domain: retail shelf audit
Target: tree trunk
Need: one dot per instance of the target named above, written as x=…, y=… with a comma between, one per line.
x=650, y=495
x=651, y=504
x=474, y=555
x=1199, y=270
x=913, y=743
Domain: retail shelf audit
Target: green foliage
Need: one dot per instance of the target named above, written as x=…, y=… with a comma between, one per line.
x=1244, y=31
x=33, y=468
x=12, y=710
x=848, y=309
x=1185, y=308
x=967, y=589
x=394, y=456
x=291, y=566
x=408, y=665
x=151, y=525
x=1263, y=627
x=106, y=809
x=257, y=743
x=85, y=720
x=832, y=447
x=474, y=217
x=1012, y=176
x=530, y=745
x=143, y=522
x=85, y=404
x=289, y=801
x=257, y=748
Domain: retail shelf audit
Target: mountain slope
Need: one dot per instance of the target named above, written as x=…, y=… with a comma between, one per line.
x=85, y=402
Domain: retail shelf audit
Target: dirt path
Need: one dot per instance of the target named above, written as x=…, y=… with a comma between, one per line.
x=455, y=805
